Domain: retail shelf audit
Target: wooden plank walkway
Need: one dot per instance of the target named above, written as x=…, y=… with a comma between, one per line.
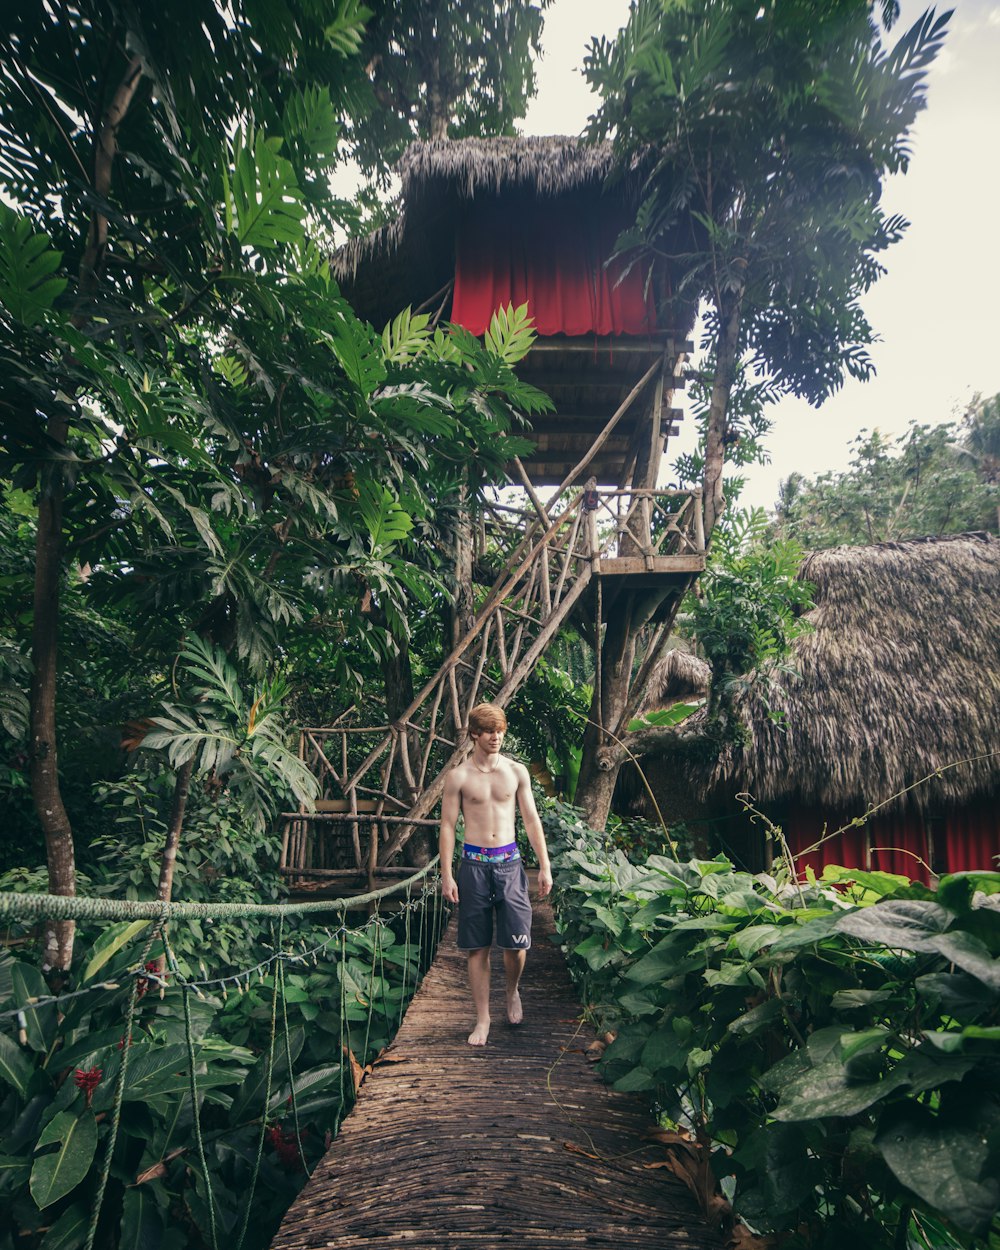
x=516, y=1144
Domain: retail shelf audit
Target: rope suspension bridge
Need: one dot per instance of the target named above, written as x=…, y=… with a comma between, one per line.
x=517, y=1144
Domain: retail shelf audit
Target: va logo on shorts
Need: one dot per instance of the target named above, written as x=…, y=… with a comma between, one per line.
x=519, y=939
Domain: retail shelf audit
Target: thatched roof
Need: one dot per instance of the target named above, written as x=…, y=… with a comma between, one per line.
x=438, y=174
x=678, y=675
x=900, y=677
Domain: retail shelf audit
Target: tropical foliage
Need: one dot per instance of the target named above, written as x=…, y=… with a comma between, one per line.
x=772, y=126
x=272, y=1054
x=822, y=1055
x=940, y=479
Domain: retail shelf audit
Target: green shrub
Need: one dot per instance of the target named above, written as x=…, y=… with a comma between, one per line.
x=834, y=1042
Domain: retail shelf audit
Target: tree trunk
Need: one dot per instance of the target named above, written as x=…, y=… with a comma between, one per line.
x=596, y=783
x=726, y=355
x=44, y=765
x=168, y=861
x=45, y=789
x=437, y=105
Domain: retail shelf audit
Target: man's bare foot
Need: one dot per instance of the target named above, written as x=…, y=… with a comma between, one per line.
x=515, y=1012
x=479, y=1034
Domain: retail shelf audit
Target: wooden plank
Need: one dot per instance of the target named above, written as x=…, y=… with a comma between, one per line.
x=622, y=566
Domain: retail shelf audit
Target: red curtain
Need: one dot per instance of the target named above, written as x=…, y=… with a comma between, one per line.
x=972, y=837
x=804, y=827
x=899, y=844
x=550, y=254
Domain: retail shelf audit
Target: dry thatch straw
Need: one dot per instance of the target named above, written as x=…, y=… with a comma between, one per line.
x=676, y=675
x=900, y=677
x=463, y=169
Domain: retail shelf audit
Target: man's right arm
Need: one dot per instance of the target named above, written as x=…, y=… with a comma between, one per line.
x=446, y=838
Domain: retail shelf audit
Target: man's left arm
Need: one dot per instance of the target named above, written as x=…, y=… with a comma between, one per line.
x=533, y=828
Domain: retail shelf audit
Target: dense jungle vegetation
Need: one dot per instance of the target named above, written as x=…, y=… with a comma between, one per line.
x=227, y=508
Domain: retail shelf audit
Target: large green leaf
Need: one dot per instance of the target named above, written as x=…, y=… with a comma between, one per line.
x=142, y=1226
x=248, y=1103
x=15, y=1066
x=386, y=521
x=511, y=333
x=944, y=1163
x=972, y=956
x=40, y=1022
x=110, y=943
x=54, y=1175
x=359, y=351
x=69, y=1232
x=900, y=924
x=28, y=287
x=262, y=201
x=828, y=1090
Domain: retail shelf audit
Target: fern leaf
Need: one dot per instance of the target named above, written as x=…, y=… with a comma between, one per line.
x=262, y=201
x=28, y=287
x=511, y=333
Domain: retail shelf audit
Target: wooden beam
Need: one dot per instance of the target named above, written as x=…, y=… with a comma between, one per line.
x=602, y=438
x=658, y=343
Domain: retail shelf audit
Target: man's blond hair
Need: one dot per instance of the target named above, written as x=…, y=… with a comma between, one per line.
x=485, y=717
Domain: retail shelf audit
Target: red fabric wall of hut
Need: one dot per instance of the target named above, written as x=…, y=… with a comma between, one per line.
x=964, y=839
x=550, y=254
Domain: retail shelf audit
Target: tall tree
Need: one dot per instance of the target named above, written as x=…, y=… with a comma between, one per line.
x=440, y=69
x=201, y=416
x=774, y=124
x=770, y=126
x=933, y=480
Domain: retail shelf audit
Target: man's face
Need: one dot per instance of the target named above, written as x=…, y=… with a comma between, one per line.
x=489, y=740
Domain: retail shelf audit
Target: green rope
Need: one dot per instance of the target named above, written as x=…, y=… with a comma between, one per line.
x=343, y=1012
x=62, y=907
x=267, y=1094
x=291, y=1074
x=116, y=1112
x=406, y=958
x=186, y=993
x=375, y=923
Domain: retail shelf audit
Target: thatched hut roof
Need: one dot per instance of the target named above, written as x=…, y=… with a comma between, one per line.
x=678, y=675
x=899, y=677
x=438, y=174
x=413, y=256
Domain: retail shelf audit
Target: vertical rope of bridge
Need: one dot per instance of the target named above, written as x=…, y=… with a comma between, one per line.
x=425, y=903
x=116, y=1112
x=406, y=959
x=375, y=922
x=280, y=972
x=386, y=1009
x=276, y=984
x=186, y=993
x=438, y=916
x=343, y=1012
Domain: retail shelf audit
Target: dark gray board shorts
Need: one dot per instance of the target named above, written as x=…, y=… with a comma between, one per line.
x=485, y=890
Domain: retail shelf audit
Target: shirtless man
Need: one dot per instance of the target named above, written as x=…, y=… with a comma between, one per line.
x=486, y=788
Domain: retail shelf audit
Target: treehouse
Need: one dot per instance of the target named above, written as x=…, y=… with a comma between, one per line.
x=490, y=222
x=886, y=723
x=483, y=224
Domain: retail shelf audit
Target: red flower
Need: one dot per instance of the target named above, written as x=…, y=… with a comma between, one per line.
x=87, y=1081
x=286, y=1146
x=145, y=984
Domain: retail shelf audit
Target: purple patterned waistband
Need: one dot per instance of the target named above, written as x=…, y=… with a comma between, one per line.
x=491, y=854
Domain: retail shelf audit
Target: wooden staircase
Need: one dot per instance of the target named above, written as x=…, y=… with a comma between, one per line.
x=382, y=782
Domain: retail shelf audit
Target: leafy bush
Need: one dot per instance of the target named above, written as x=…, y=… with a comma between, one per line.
x=327, y=1010
x=832, y=1045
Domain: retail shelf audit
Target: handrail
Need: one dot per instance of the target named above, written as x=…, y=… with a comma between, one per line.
x=64, y=907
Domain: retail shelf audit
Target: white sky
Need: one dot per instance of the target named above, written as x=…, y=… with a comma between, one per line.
x=937, y=310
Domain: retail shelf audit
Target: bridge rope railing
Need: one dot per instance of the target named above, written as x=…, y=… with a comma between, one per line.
x=236, y=1102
